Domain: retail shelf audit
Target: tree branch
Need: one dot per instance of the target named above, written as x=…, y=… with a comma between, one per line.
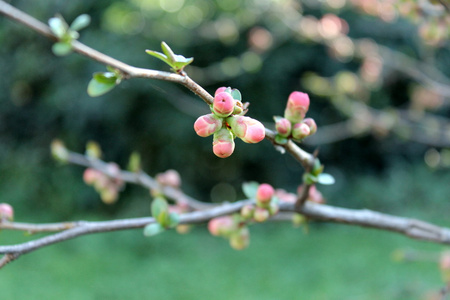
x=412, y=228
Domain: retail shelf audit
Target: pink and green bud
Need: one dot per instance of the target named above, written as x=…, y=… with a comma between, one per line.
x=169, y=178
x=300, y=131
x=207, y=125
x=6, y=212
x=109, y=195
x=91, y=175
x=297, y=106
x=223, y=143
x=261, y=214
x=283, y=126
x=240, y=239
x=264, y=193
x=221, y=226
x=247, y=211
x=311, y=124
x=223, y=104
x=59, y=151
x=220, y=90
x=247, y=129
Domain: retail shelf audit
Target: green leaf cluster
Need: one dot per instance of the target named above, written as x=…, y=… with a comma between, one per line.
x=164, y=219
x=65, y=33
x=176, y=62
x=103, y=82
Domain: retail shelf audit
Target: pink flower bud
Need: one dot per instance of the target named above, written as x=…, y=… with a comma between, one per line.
x=283, y=126
x=297, y=106
x=223, y=104
x=207, y=125
x=241, y=239
x=220, y=90
x=284, y=196
x=221, y=226
x=247, y=211
x=264, y=193
x=223, y=143
x=169, y=178
x=314, y=195
x=90, y=176
x=444, y=261
x=113, y=171
x=300, y=131
x=261, y=214
x=311, y=124
x=247, y=129
x=6, y=212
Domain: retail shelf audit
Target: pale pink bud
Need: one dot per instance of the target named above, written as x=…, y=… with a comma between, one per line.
x=444, y=261
x=207, y=125
x=241, y=239
x=261, y=214
x=283, y=126
x=264, y=193
x=221, y=226
x=170, y=178
x=223, y=143
x=314, y=195
x=300, y=131
x=223, y=104
x=113, y=171
x=311, y=124
x=297, y=106
x=6, y=212
x=247, y=129
x=247, y=211
x=284, y=196
x=90, y=176
x=220, y=90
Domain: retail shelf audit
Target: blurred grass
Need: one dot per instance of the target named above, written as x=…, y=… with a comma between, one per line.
x=331, y=262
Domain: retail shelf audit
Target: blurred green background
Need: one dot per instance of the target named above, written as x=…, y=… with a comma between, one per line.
x=262, y=48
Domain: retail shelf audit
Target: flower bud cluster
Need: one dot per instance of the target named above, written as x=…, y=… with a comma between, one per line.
x=266, y=205
x=294, y=124
x=108, y=186
x=227, y=121
x=169, y=178
x=6, y=212
x=231, y=228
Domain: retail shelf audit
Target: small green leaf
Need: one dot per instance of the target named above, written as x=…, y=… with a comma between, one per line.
x=326, y=179
x=153, y=229
x=236, y=94
x=93, y=150
x=61, y=49
x=159, y=56
x=281, y=140
x=317, y=168
x=58, y=26
x=134, y=165
x=80, y=22
x=96, y=88
x=174, y=220
x=250, y=188
x=310, y=179
x=168, y=52
x=105, y=77
x=160, y=210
